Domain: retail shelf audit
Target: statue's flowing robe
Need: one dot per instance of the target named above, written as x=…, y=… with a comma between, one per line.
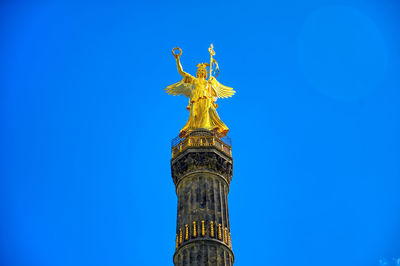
x=203, y=113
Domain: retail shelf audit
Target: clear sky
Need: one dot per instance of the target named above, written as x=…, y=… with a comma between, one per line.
x=86, y=129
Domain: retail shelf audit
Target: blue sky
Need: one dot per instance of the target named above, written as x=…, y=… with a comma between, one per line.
x=86, y=129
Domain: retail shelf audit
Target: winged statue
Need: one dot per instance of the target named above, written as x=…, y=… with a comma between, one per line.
x=202, y=94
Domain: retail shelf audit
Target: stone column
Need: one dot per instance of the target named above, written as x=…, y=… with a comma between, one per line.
x=201, y=167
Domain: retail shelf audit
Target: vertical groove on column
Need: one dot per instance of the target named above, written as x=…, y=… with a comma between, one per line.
x=217, y=204
x=204, y=198
x=192, y=190
x=227, y=209
x=214, y=201
x=190, y=251
x=198, y=194
x=180, y=208
x=225, y=257
x=208, y=254
x=221, y=204
x=202, y=254
x=224, y=224
x=208, y=201
x=186, y=257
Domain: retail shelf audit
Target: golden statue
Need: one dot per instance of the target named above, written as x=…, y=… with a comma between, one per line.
x=202, y=95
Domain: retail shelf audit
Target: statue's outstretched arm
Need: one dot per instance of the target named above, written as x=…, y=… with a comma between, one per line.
x=180, y=69
x=178, y=62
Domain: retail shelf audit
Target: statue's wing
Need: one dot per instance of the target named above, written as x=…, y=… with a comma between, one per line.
x=220, y=90
x=183, y=87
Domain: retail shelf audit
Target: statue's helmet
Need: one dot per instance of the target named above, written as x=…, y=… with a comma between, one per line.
x=202, y=70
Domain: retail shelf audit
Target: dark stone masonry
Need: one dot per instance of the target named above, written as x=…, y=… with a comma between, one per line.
x=202, y=172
